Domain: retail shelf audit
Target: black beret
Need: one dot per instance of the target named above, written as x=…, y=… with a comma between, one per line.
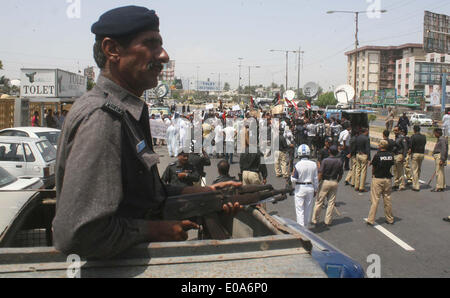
x=126, y=20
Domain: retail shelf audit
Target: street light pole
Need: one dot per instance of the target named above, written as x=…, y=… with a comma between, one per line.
x=356, y=40
x=239, y=86
x=249, y=85
x=300, y=52
x=287, y=63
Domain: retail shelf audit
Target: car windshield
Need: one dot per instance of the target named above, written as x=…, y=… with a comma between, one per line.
x=47, y=150
x=422, y=116
x=6, y=178
x=51, y=136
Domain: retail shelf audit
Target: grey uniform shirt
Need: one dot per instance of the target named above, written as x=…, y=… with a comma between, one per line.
x=442, y=148
x=105, y=194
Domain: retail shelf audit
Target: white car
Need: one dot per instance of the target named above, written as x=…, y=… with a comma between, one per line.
x=421, y=119
x=29, y=157
x=45, y=133
x=9, y=182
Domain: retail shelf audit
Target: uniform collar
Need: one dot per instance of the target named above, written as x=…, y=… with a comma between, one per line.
x=121, y=97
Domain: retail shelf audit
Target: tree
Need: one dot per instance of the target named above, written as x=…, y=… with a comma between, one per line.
x=1, y=64
x=90, y=84
x=326, y=99
x=226, y=87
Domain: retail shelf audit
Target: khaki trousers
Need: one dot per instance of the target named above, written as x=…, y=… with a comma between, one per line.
x=328, y=191
x=352, y=173
x=399, y=180
x=417, y=159
x=281, y=164
x=408, y=171
x=380, y=188
x=361, y=171
x=440, y=173
x=251, y=178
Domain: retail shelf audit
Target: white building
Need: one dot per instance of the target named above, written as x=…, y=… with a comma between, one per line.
x=417, y=73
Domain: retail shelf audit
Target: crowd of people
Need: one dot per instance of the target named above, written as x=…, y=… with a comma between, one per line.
x=52, y=120
x=313, y=153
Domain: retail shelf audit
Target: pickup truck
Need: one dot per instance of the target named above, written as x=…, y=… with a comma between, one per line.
x=260, y=246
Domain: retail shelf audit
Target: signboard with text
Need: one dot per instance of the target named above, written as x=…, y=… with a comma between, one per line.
x=51, y=83
x=207, y=86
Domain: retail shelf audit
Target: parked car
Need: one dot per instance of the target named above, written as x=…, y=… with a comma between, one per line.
x=46, y=133
x=421, y=119
x=10, y=182
x=29, y=157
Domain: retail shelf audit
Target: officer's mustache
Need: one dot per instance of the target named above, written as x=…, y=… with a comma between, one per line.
x=154, y=66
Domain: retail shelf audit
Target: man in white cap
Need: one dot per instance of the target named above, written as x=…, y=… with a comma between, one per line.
x=305, y=179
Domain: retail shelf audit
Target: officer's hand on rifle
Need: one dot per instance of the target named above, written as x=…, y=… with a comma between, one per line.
x=228, y=208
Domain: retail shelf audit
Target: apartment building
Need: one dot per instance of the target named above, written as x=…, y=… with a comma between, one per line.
x=376, y=65
x=422, y=73
x=168, y=72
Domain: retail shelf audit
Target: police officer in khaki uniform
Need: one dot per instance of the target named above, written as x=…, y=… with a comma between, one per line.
x=109, y=193
x=351, y=175
x=330, y=173
x=400, y=151
x=282, y=158
x=381, y=183
x=417, y=151
x=362, y=159
x=440, y=154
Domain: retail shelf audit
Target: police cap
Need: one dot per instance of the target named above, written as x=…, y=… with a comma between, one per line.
x=126, y=20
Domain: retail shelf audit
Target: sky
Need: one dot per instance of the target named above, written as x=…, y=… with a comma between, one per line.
x=207, y=37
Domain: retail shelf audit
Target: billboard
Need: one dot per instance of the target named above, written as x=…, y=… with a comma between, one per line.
x=51, y=83
x=436, y=34
x=70, y=84
x=207, y=86
x=37, y=83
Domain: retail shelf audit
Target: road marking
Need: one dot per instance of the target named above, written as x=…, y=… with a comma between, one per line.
x=392, y=237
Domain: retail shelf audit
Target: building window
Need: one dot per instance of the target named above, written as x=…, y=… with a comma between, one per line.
x=407, y=65
x=407, y=86
x=443, y=59
x=399, y=87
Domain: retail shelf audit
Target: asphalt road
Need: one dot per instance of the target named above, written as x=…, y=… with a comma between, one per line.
x=418, y=223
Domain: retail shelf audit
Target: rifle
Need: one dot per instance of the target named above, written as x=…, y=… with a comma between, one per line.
x=206, y=206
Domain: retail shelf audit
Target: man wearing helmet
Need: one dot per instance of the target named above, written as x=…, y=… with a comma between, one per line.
x=306, y=182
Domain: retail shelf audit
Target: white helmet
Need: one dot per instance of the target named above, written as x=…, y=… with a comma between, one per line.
x=303, y=150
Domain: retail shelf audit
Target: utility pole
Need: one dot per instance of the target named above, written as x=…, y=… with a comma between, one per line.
x=300, y=52
x=356, y=41
x=249, y=85
x=287, y=63
x=239, y=86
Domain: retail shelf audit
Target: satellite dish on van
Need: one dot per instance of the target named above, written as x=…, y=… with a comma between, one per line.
x=311, y=89
x=344, y=94
x=289, y=95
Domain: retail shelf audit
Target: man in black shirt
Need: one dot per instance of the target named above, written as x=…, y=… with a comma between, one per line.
x=199, y=162
x=391, y=142
x=400, y=151
x=224, y=172
x=181, y=172
x=362, y=159
x=440, y=154
x=330, y=174
x=252, y=169
x=350, y=179
x=403, y=123
x=324, y=152
x=381, y=183
x=417, y=151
